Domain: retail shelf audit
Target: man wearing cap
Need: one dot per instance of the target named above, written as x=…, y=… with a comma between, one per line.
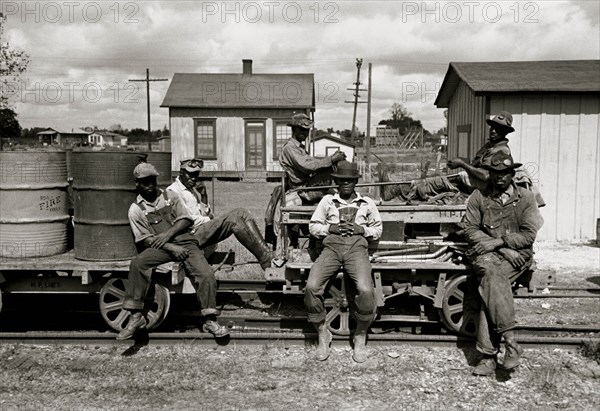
x=476, y=175
x=209, y=230
x=501, y=224
x=346, y=222
x=160, y=221
x=301, y=168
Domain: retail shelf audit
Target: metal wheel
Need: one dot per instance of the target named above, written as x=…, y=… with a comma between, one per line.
x=452, y=311
x=338, y=307
x=156, y=305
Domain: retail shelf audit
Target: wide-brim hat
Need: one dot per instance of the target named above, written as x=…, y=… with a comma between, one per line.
x=144, y=170
x=191, y=165
x=301, y=120
x=346, y=170
x=502, y=120
x=501, y=162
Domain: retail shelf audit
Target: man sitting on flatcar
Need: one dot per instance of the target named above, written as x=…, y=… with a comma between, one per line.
x=210, y=230
x=501, y=224
x=160, y=223
x=346, y=222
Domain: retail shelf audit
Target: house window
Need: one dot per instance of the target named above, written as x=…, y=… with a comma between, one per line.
x=329, y=150
x=205, y=136
x=282, y=134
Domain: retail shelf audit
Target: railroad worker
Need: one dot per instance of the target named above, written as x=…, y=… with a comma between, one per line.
x=473, y=176
x=160, y=221
x=501, y=224
x=209, y=230
x=301, y=168
x=346, y=222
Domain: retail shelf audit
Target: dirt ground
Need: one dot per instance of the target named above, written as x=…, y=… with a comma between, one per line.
x=280, y=377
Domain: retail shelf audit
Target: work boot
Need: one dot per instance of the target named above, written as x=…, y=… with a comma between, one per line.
x=136, y=322
x=325, y=338
x=361, y=352
x=513, y=351
x=212, y=326
x=252, y=239
x=487, y=366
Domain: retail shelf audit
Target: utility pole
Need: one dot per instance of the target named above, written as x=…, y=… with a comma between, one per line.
x=148, y=80
x=368, y=137
x=356, y=90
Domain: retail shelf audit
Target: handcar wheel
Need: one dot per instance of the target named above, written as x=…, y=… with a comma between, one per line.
x=112, y=295
x=337, y=304
x=452, y=311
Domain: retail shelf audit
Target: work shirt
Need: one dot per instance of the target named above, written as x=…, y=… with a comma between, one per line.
x=485, y=153
x=191, y=199
x=137, y=217
x=512, y=216
x=361, y=210
x=298, y=165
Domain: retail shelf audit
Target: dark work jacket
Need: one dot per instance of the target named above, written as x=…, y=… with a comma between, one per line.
x=516, y=222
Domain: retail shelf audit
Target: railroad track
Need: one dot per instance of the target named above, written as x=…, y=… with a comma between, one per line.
x=297, y=331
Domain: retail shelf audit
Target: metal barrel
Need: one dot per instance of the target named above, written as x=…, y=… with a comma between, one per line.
x=103, y=188
x=162, y=161
x=33, y=203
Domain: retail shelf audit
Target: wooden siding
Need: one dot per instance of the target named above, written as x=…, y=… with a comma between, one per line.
x=557, y=139
x=466, y=108
x=230, y=141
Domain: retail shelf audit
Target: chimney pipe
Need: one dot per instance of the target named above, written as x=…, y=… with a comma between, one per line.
x=247, y=66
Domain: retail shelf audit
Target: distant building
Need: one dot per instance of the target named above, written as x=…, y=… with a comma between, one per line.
x=556, y=115
x=386, y=136
x=63, y=137
x=237, y=123
x=106, y=138
x=325, y=145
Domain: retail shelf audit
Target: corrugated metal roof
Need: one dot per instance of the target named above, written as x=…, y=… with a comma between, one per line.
x=240, y=90
x=559, y=76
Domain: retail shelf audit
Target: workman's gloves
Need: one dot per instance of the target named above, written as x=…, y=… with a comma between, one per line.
x=338, y=156
x=513, y=257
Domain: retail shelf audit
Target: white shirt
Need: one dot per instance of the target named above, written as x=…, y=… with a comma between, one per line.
x=197, y=209
x=363, y=209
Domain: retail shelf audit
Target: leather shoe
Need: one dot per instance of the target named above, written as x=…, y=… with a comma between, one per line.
x=487, y=366
x=136, y=322
x=213, y=327
x=513, y=353
x=325, y=338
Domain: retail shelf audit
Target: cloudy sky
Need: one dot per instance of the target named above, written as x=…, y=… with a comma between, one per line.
x=84, y=53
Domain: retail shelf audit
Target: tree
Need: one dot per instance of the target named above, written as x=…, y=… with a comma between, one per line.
x=9, y=125
x=12, y=64
x=402, y=120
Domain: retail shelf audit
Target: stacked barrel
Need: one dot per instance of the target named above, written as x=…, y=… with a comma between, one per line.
x=34, y=202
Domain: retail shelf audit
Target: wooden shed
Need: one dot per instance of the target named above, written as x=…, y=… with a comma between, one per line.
x=556, y=115
x=237, y=123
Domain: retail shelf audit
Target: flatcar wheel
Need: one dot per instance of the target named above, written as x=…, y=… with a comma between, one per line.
x=452, y=311
x=156, y=305
x=337, y=304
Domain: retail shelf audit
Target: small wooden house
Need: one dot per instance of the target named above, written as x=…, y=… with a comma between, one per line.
x=325, y=145
x=237, y=123
x=63, y=137
x=556, y=115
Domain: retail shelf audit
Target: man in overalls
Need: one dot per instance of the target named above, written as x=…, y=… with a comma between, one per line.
x=160, y=221
x=501, y=224
x=346, y=222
